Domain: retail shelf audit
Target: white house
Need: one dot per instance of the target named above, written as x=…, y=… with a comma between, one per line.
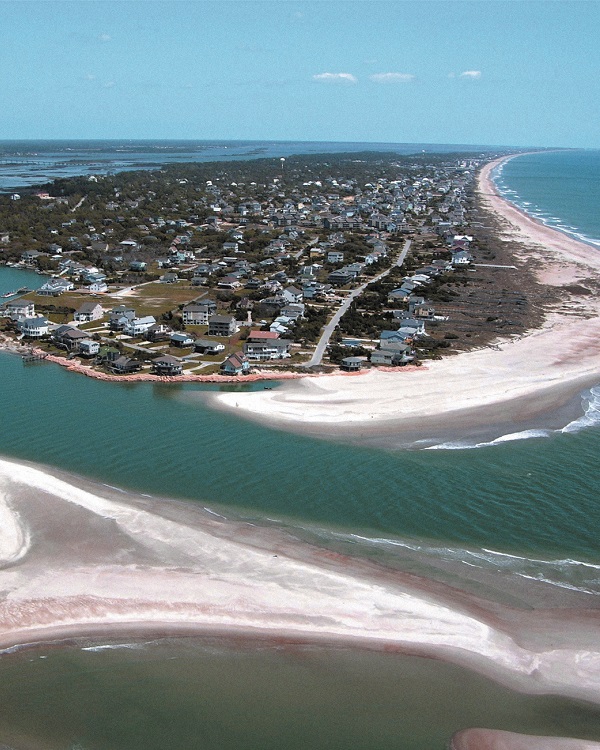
x=89, y=348
x=139, y=326
x=87, y=312
x=98, y=287
x=18, y=308
x=34, y=328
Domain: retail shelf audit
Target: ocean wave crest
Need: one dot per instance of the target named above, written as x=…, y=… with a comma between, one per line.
x=591, y=412
x=579, y=576
x=533, y=210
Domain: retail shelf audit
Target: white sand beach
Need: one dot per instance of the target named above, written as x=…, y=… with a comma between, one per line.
x=82, y=559
x=518, y=377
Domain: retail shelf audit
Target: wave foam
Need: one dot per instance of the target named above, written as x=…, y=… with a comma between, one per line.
x=566, y=573
x=591, y=412
x=114, y=647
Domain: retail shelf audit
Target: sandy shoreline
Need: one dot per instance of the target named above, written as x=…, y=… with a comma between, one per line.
x=544, y=368
x=77, y=559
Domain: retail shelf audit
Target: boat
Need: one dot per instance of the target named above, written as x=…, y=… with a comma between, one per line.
x=8, y=294
x=23, y=290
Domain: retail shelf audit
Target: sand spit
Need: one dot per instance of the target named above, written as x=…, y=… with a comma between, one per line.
x=99, y=562
x=543, y=368
x=489, y=739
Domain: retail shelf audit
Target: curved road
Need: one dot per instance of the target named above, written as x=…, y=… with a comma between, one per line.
x=332, y=325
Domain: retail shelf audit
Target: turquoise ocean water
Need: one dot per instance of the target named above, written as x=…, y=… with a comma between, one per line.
x=526, y=507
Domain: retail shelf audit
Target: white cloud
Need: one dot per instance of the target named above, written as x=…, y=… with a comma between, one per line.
x=104, y=37
x=471, y=74
x=90, y=77
x=335, y=78
x=108, y=85
x=392, y=77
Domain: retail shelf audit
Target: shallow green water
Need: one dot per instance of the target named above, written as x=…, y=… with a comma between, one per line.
x=202, y=695
x=532, y=497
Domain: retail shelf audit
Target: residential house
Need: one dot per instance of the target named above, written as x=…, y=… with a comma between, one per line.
x=235, y=364
x=98, y=287
x=33, y=328
x=87, y=312
x=461, y=258
x=335, y=256
x=18, y=308
x=124, y=365
x=29, y=257
x=167, y=365
x=393, y=355
x=222, y=325
x=412, y=324
x=261, y=336
x=139, y=326
x=386, y=337
x=206, y=346
x=54, y=287
x=159, y=332
x=292, y=294
x=68, y=337
x=119, y=317
x=182, y=339
x=198, y=313
x=229, y=282
x=351, y=364
x=424, y=310
x=89, y=348
x=340, y=277
x=263, y=351
x=294, y=311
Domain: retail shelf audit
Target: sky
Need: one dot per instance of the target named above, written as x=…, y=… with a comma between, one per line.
x=491, y=73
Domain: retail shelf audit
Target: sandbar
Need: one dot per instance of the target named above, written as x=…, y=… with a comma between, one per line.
x=81, y=559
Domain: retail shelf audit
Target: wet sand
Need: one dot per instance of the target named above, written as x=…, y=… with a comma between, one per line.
x=488, y=739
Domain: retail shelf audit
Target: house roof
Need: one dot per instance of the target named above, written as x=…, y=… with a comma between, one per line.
x=87, y=307
x=237, y=359
x=263, y=335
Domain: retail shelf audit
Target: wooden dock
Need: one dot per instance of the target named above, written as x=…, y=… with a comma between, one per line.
x=30, y=358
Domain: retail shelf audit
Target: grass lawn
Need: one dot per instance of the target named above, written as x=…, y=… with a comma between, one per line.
x=154, y=298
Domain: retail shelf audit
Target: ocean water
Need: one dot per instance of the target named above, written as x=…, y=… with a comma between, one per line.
x=523, y=508
x=559, y=188
x=26, y=163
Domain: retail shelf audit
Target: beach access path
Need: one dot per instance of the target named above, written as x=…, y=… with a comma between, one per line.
x=317, y=357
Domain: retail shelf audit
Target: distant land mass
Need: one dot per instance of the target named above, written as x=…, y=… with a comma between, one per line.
x=31, y=162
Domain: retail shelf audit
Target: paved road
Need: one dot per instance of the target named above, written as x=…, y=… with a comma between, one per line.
x=332, y=325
